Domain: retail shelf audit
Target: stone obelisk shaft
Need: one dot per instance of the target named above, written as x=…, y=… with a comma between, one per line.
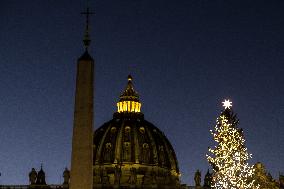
x=82, y=141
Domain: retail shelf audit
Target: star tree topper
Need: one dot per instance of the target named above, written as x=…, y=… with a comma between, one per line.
x=227, y=104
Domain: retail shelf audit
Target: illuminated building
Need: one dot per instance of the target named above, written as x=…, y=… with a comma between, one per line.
x=131, y=152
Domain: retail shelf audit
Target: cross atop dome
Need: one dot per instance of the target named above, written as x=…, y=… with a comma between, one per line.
x=129, y=99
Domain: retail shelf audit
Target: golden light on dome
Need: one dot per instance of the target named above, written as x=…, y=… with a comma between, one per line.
x=128, y=106
x=227, y=104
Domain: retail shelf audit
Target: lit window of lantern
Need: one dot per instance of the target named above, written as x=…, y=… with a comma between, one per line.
x=128, y=106
x=132, y=106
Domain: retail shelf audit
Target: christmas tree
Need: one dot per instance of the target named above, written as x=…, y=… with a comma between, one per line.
x=229, y=158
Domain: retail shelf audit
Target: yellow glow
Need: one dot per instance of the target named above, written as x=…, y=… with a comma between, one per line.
x=136, y=109
x=128, y=106
x=132, y=106
x=124, y=106
x=227, y=104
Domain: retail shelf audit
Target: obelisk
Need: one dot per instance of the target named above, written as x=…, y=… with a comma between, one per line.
x=82, y=141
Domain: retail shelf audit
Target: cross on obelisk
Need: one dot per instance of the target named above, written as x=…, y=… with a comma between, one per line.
x=87, y=39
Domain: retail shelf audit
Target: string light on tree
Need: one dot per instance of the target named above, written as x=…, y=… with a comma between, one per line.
x=229, y=158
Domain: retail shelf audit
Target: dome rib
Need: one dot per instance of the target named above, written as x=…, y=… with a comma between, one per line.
x=136, y=145
x=117, y=155
x=102, y=142
x=153, y=144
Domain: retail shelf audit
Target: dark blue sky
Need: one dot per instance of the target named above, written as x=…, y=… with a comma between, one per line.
x=185, y=57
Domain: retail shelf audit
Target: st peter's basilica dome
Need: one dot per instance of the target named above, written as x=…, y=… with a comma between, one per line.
x=130, y=151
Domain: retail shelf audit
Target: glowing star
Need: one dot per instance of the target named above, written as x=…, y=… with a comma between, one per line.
x=227, y=104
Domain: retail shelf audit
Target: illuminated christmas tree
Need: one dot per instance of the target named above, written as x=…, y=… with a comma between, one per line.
x=229, y=158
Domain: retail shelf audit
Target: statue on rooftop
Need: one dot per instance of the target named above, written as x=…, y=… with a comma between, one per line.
x=33, y=176
x=197, y=178
x=66, y=176
x=207, y=180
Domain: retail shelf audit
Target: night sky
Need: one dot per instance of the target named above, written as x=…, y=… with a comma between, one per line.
x=185, y=56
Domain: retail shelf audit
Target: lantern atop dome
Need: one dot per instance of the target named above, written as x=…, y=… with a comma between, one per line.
x=129, y=99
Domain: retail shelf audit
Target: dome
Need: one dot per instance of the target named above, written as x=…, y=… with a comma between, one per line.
x=129, y=150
